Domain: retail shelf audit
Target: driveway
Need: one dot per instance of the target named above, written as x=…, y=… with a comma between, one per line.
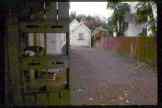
x=101, y=77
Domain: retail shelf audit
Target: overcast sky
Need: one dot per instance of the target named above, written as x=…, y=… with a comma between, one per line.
x=97, y=9
x=91, y=8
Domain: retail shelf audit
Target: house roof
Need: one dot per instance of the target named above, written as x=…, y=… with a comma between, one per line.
x=74, y=25
x=82, y=24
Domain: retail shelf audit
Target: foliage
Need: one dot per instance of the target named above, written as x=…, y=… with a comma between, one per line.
x=72, y=16
x=30, y=9
x=109, y=26
x=93, y=22
x=80, y=17
x=90, y=21
x=121, y=10
x=144, y=14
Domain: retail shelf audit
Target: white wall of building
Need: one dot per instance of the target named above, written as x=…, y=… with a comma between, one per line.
x=76, y=29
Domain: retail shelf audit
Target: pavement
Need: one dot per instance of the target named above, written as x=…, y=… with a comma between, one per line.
x=102, y=77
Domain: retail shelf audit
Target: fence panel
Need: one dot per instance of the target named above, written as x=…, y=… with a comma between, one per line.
x=141, y=48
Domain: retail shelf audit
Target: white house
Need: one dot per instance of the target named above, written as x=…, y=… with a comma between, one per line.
x=80, y=34
x=55, y=42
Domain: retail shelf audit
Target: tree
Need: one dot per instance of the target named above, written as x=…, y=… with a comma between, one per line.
x=90, y=21
x=109, y=26
x=72, y=16
x=144, y=15
x=80, y=17
x=121, y=10
x=93, y=22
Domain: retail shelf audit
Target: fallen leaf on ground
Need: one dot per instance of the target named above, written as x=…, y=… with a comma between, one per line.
x=120, y=98
x=91, y=99
x=112, y=100
x=101, y=97
x=80, y=90
x=125, y=93
x=127, y=101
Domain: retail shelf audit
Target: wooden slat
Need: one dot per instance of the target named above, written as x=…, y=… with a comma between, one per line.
x=41, y=27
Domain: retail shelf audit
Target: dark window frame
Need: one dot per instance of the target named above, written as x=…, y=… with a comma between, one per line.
x=81, y=36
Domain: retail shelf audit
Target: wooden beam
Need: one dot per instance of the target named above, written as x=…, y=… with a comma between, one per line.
x=43, y=27
x=45, y=43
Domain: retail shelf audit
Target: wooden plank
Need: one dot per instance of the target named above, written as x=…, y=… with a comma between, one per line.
x=13, y=54
x=45, y=43
x=44, y=27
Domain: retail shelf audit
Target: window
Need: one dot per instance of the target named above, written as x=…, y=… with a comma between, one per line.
x=80, y=37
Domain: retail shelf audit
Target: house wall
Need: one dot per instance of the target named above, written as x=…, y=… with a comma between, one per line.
x=74, y=24
x=74, y=36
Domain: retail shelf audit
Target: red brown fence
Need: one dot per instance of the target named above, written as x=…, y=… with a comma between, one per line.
x=141, y=48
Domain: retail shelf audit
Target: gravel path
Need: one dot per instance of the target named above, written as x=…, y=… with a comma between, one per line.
x=101, y=77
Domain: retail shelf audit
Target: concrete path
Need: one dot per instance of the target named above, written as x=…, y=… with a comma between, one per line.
x=101, y=77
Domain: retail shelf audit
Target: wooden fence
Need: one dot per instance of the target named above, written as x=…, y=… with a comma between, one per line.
x=141, y=48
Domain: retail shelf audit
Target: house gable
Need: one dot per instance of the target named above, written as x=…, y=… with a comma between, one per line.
x=80, y=34
x=81, y=27
x=74, y=24
x=76, y=27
